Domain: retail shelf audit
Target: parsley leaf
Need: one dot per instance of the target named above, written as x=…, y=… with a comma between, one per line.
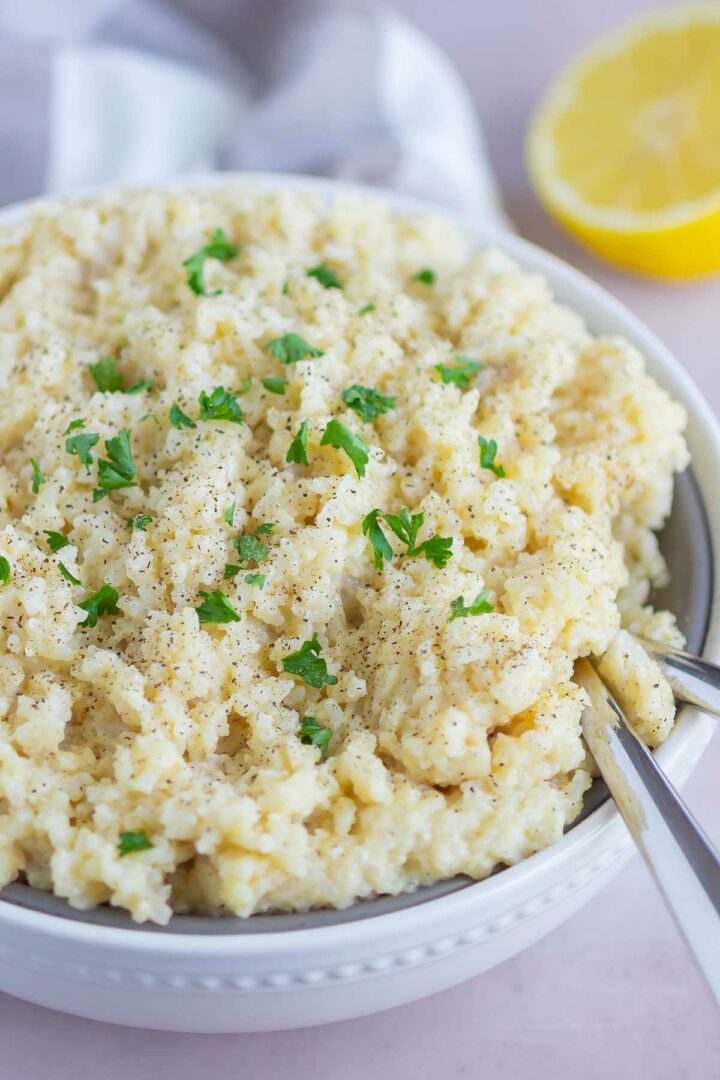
x=275, y=386
x=81, y=445
x=179, y=419
x=4, y=570
x=406, y=527
x=308, y=663
x=488, y=450
x=68, y=576
x=103, y=602
x=437, y=549
x=325, y=275
x=297, y=450
x=231, y=570
x=216, y=608
x=130, y=842
x=219, y=248
x=38, y=478
x=55, y=540
x=108, y=380
x=106, y=375
x=380, y=544
x=255, y=579
x=250, y=549
x=119, y=471
x=311, y=732
x=230, y=512
x=366, y=309
x=291, y=349
x=480, y=606
x=342, y=438
x=140, y=522
x=460, y=372
x=220, y=405
x=367, y=402
x=266, y=527
x=73, y=426
x=141, y=386
x=426, y=276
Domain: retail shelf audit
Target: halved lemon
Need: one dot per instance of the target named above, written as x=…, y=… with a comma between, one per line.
x=624, y=149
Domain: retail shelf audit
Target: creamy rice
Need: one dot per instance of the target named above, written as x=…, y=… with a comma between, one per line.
x=155, y=761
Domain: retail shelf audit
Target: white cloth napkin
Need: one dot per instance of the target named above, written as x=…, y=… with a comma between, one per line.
x=97, y=91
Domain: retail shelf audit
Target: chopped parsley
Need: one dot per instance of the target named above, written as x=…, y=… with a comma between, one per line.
x=130, y=842
x=103, y=602
x=230, y=513
x=139, y=522
x=141, y=386
x=367, y=402
x=342, y=438
x=219, y=248
x=461, y=371
x=73, y=426
x=4, y=570
x=69, y=577
x=220, y=405
x=81, y=445
x=119, y=470
x=231, y=569
x=55, y=540
x=325, y=275
x=488, y=450
x=250, y=549
x=216, y=608
x=481, y=605
x=426, y=276
x=297, y=450
x=291, y=349
x=311, y=732
x=406, y=527
x=366, y=309
x=266, y=528
x=38, y=478
x=436, y=549
x=382, y=551
x=108, y=380
x=255, y=579
x=308, y=663
x=275, y=386
x=106, y=375
x=179, y=419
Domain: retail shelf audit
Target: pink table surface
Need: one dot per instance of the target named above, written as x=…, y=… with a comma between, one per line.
x=611, y=993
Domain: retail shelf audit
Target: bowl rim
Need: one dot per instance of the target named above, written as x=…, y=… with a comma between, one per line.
x=677, y=755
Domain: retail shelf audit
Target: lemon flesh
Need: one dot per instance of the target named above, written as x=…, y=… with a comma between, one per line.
x=625, y=147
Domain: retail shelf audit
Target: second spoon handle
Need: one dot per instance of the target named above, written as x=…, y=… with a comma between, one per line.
x=694, y=681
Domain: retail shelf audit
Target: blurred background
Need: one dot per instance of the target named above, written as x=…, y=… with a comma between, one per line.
x=508, y=53
x=614, y=991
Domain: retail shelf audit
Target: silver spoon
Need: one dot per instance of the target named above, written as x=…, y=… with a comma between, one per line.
x=694, y=681
x=684, y=863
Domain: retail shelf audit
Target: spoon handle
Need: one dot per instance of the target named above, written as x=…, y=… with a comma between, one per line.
x=684, y=863
x=694, y=681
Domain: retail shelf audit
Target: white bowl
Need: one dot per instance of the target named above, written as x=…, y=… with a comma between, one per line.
x=297, y=971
